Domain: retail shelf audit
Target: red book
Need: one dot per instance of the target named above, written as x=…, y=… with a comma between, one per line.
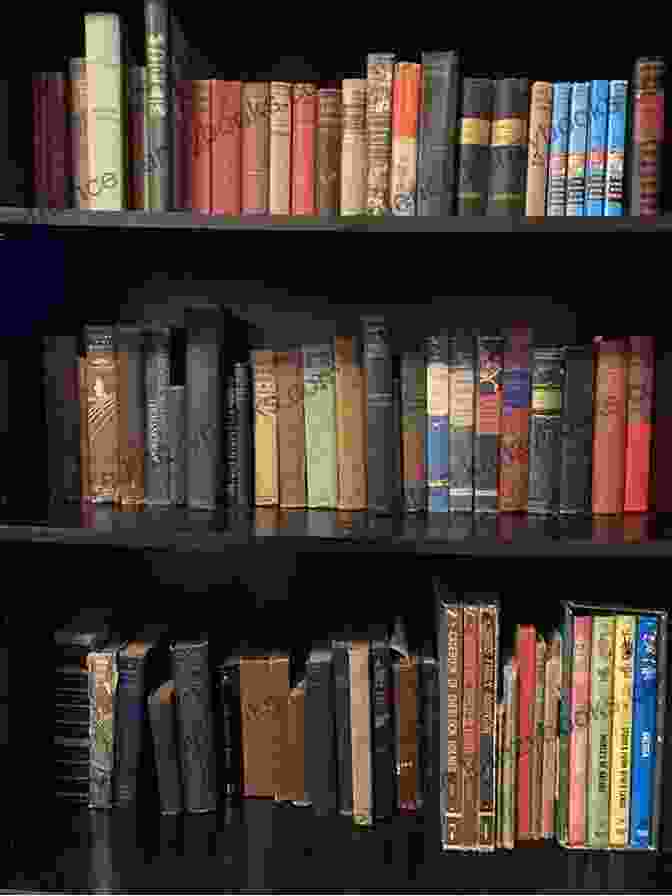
x=226, y=147
x=514, y=441
x=470, y=727
x=304, y=136
x=578, y=737
x=638, y=430
x=136, y=138
x=201, y=165
x=609, y=429
x=183, y=144
x=58, y=144
x=256, y=148
x=39, y=139
x=526, y=655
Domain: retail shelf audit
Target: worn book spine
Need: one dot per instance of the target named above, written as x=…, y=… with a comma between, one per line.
x=644, y=734
x=500, y=722
x=537, y=743
x=438, y=131
x=320, y=425
x=280, y=148
x=195, y=724
x=291, y=429
x=405, y=109
x=354, y=154
x=614, y=204
x=264, y=690
x=320, y=750
x=610, y=427
x=405, y=677
x=474, y=146
x=596, y=156
x=103, y=681
x=255, y=148
x=201, y=157
x=225, y=136
x=183, y=142
x=621, y=732
x=648, y=137
x=526, y=662
x=576, y=156
x=177, y=445
x=131, y=415
x=564, y=732
x=576, y=431
x=203, y=408
x=550, y=735
x=471, y=694
x=159, y=107
x=350, y=423
x=84, y=452
x=343, y=725
x=294, y=786
x=461, y=421
x=244, y=426
x=229, y=769
x=510, y=755
x=413, y=430
x=397, y=484
x=541, y=103
x=508, y=148
x=361, y=734
x=163, y=720
x=267, y=490
x=380, y=72
x=139, y=158
x=100, y=398
x=131, y=718
x=379, y=415
x=599, y=734
x=488, y=638
x=304, y=133
x=58, y=141
x=438, y=424
x=638, y=428
x=548, y=373
x=428, y=731
x=578, y=739
x=488, y=364
x=157, y=378
x=514, y=444
x=328, y=153
x=39, y=96
x=79, y=133
x=382, y=725
x=556, y=201
x=62, y=407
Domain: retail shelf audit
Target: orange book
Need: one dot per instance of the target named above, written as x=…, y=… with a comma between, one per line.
x=304, y=131
x=405, y=110
x=609, y=429
x=226, y=150
x=638, y=430
x=201, y=165
x=255, y=148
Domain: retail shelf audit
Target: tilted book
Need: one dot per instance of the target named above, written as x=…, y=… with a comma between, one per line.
x=621, y=731
x=163, y=720
x=319, y=401
x=599, y=735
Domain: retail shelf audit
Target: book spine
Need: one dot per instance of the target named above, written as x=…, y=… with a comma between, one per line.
x=556, y=201
x=508, y=148
x=616, y=139
x=428, y=716
x=265, y=429
x=548, y=372
x=226, y=147
x=104, y=97
x=564, y=733
x=438, y=424
x=350, y=424
x=361, y=740
x=244, y=427
x=405, y=109
x=405, y=674
x=159, y=107
x=438, y=134
x=510, y=755
x=578, y=741
x=294, y=778
x=621, y=732
x=526, y=657
x=514, y=443
x=659, y=792
x=321, y=787
x=499, y=798
x=470, y=726
x=596, y=160
x=576, y=157
x=397, y=483
x=413, y=430
x=131, y=416
x=79, y=133
x=379, y=415
x=163, y=721
x=648, y=136
x=320, y=425
x=229, y=768
x=639, y=430
x=195, y=725
x=576, y=431
x=599, y=735
x=39, y=94
x=328, y=153
x=304, y=139
x=101, y=400
x=488, y=365
x=138, y=179
x=201, y=155
x=354, y=156
x=130, y=726
x=461, y=421
x=202, y=409
x=550, y=736
x=177, y=445
x=644, y=732
x=343, y=726
x=264, y=690
x=84, y=452
x=537, y=743
x=541, y=105
x=291, y=428
x=183, y=143
x=474, y=146
x=62, y=407
x=103, y=679
x=380, y=72
x=256, y=148
x=157, y=375
x=488, y=638
x=382, y=726
x=58, y=141
x=280, y=148
x=610, y=427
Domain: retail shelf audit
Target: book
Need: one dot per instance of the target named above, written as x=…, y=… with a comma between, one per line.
x=163, y=719
x=229, y=769
x=354, y=154
x=596, y=156
x=647, y=186
x=438, y=131
x=203, y=407
x=599, y=734
x=99, y=399
x=379, y=415
x=488, y=363
x=79, y=132
x=578, y=741
x=514, y=442
x=304, y=142
x=131, y=719
x=320, y=734
x=380, y=73
x=614, y=203
x=320, y=425
x=102, y=666
x=294, y=787
x=237, y=436
x=621, y=731
x=508, y=148
x=182, y=96
x=638, y=426
x=552, y=685
x=428, y=731
x=406, y=690
x=343, y=726
x=576, y=431
x=541, y=102
x=265, y=428
x=556, y=201
x=201, y=155
x=405, y=110
x=226, y=103
x=474, y=146
x=130, y=357
x=289, y=372
x=471, y=704
x=328, y=152
x=526, y=663
x=510, y=754
x=279, y=151
x=564, y=733
x=488, y=642
x=537, y=742
x=360, y=734
x=413, y=430
x=576, y=154
x=644, y=752
x=610, y=427
x=438, y=423
x=177, y=445
x=138, y=152
x=157, y=380
x=461, y=420
x=39, y=98
x=382, y=728
x=159, y=110
x=548, y=372
x=500, y=716
x=350, y=423
x=62, y=409
x=58, y=141
x=256, y=102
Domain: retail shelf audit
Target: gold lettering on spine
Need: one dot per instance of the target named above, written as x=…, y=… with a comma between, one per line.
x=157, y=75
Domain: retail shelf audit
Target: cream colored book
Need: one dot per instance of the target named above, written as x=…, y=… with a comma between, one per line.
x=267, y=490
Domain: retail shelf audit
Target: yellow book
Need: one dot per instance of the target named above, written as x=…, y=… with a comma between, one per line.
x=621, y=731
x=266, y=477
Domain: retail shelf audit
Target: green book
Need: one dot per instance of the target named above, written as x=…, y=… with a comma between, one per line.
x=601, y=687
x=319, y=404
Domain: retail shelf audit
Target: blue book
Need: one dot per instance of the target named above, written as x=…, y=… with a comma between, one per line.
x=616, y=132
x=438, y=429
x=596, y=157
x=557, y=153
x=644, y=706
x=576, y=153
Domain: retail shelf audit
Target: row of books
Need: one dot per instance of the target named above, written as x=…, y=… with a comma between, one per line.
x=370, y=728
x=408, y=139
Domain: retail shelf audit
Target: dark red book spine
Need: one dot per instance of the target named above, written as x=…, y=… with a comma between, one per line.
x=39, y=140
x=526, y=654
x=226, y=147
x=638, y=431
x=471, y=728
x=58, y=144
x=304, y=137
x=201, y=159
x=609, y=429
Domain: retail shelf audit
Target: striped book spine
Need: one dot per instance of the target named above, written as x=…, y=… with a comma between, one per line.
x=508, y=148
x=380, y=71
x=621, y=732
x=644, y=732
x=438, y=432
x=599, y=737
x=596, y=161
x=614, y=206
x=557, y=159
x=461, y=421
x=405, y=108
x=474, y=146
x=578, y=740
x=638, y=427
x=576, y=154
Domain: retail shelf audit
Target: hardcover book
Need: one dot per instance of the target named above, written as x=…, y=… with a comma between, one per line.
x=488, y=642
x=237, y=436
x=62, y=408
x=599, y=734
x=537, y=743
x=644, y=740
x=157, y=378
x=280, y=148
x=451, y=670
x=289, y=371
x=471, y=705
x=576, y=157
x=229, y=769
x=610, y=427
x=647, y=196
x=328, y=153
x=350, y=423
x=320, y=735
x=510, y=755
x=488, y=366
x=354, y=154
x=596, y=157
x=438, y=129
x=526, y=662
x=203, y=407
x=382, y=726
x=255, y=148
x=361, y=734
x=380, y=72
x=556, y=203
x=131, y=415
x=474, y=146
x=141, y=163
x=58, y=141
x=438, y=424
x=159, y=111
x=343, y=725
x=614, y=204
x=576, y=432
x=379, y=415
x=201, y=154
x=163, y=720
x=461, y=421
x=578, y=739
x=508, y=148
x=79, y=135
x=621, y=732
x=405, y=109
x=320, y=425
x=100, y=401
x=226, y=141
x=548, y=373
x=406, y=691
x=103, y=680
x=304, y=143
x=638, y=427
x=177, y=445
x=131, y=719
x=514, y=444
x=541, y=103
x=413, y=430
x=553, y=685
x=265, y=428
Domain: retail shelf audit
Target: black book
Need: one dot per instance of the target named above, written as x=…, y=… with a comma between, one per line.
x=237, y=436
x=159, y=119
x=428, y=730
x=343, y=725
x=548, y=370
x=320, y=735
x=163, y=721
x=576, y=431
x=228, y=731
x=61, y=403
x=474, y=146
x=157, y=380
x=508, y=148
x=382, y=728
x=379, y=416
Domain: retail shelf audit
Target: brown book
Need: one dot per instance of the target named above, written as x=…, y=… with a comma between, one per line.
x=79, y=133
x=470, y=727
x=255, y=148
x=83, y=433
x=360, y=721
x=551, y=718
x=131, y=416
x=264, y=694
x=406, y=674
x=451, y=620
x=610, y=427
x=380, y=71
x=100, y=395
x=280, y=148
x=267, y=489
x=291, y=430
x=537, y=744
x=293, y=769
x=354, y=158
x=501, y=717
x=488, y=627
x=328, y=159
x=539, y=141
x=304, y=144
x=350, y=424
